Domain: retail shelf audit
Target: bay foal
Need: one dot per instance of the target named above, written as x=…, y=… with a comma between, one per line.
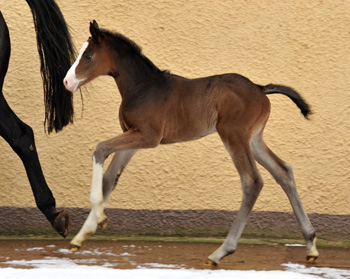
x=159, y=108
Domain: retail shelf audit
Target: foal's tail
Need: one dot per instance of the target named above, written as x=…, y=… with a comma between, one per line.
x=57, y=53
x=291, y=93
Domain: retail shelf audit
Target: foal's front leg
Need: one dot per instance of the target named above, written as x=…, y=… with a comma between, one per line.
x=96, y=199
x=130, y=140
x=110, y=179
x=124, y=147
x=99, y=195
x=96, y=193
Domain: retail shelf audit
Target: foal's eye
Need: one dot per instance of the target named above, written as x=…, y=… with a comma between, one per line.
x=88, y=57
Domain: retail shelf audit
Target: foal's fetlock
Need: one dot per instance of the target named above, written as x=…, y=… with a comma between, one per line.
x=103, y=224
x=102, y=220
x=74, y=245
x=61, y=223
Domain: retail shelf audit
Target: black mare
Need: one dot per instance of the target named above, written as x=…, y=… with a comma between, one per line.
x=56, y=54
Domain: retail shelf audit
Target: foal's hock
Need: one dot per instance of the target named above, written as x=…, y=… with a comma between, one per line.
x=159, y=108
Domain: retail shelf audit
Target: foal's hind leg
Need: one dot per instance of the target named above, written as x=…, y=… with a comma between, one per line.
x=252, y=184
x=283, y=174
x=110, y=179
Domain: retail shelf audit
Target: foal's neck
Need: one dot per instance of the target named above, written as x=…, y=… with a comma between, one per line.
x=134, y=76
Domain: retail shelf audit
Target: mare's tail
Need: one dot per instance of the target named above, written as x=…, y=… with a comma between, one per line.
x=291, y=93
x=56, y=53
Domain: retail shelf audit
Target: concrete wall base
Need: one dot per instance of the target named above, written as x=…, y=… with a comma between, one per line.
x=179, y=222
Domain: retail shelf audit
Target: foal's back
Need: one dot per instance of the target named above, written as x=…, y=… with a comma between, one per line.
x=192, y=108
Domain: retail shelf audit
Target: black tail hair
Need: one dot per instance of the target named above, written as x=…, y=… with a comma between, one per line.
x=57, y=54
x=291, y=93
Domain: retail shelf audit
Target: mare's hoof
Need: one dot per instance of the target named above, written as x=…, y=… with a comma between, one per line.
x=210, y=262
x=311, y=259
x=61, y=223
x=74, y=248
x=103, y=224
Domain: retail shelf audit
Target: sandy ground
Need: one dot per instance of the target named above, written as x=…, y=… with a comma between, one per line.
x=138, y=254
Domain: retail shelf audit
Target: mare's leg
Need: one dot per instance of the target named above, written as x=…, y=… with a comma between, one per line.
x=110, y=179
x=239, y=149
x=21, y=138
x=283, y=174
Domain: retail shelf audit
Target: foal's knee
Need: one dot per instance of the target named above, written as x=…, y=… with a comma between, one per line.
x=100, y=153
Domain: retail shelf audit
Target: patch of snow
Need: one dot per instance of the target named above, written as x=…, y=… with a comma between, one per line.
x=56, y=268
x=65, y=251
x=35, y=249
x=325, y=272
x=158, y=265
x=129, y=246
x=92, y=272
x=126, y=255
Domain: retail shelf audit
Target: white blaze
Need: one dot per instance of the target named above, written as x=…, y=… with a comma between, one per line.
x=70, y=81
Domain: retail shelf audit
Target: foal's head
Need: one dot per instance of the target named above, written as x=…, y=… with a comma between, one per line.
x=93, y=60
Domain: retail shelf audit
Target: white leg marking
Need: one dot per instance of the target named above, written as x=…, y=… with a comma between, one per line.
x=89, y=228
x=96, y=214
x=96, y=194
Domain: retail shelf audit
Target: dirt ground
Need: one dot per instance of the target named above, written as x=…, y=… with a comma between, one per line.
x=136, y=254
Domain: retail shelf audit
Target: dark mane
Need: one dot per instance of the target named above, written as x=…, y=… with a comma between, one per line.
x=134, y=47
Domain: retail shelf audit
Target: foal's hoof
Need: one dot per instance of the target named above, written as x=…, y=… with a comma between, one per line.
x=61, y=223
x=74, y=248
x=104, y=224
x=211, y=263
x=311, y=259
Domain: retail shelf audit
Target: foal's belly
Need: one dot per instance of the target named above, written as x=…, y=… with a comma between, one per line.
x=187, y=133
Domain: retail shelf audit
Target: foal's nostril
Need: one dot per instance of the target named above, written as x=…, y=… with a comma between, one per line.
x=65, y=82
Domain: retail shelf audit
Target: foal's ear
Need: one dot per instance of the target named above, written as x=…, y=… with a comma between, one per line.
x=95, y=31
